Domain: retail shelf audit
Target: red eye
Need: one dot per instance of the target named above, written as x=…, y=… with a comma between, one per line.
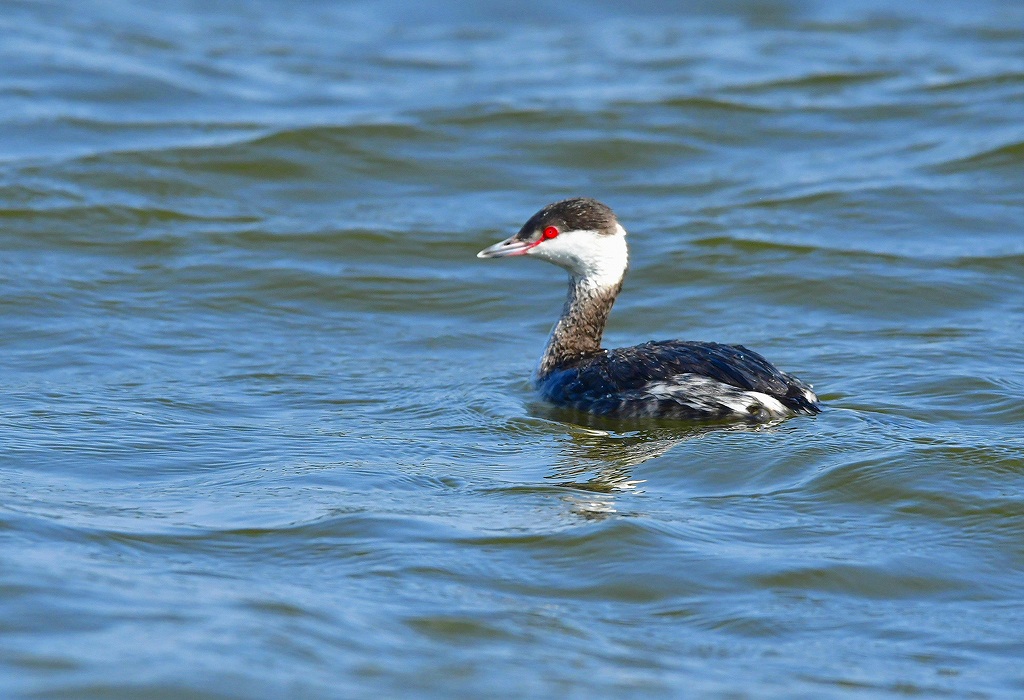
x=550, y=232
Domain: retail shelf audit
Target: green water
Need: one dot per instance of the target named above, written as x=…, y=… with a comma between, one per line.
x=267, y=429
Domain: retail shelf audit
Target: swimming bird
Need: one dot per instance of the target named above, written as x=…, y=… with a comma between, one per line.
x=658, y=379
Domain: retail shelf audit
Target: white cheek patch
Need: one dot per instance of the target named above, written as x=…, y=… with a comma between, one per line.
x=595, y=258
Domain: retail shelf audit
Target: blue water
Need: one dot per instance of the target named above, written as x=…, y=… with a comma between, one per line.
x=267, y=429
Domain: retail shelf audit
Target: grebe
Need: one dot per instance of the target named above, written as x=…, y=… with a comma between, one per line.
x=658, y=379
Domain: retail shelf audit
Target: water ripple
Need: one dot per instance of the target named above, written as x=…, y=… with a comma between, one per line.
x=268, y=423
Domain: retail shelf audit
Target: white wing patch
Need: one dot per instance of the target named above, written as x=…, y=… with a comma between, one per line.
x=709, y=395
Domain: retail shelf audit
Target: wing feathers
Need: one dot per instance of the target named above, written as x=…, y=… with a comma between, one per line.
x=678, y=378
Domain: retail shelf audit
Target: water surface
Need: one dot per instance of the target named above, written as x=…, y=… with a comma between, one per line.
x=267, y=429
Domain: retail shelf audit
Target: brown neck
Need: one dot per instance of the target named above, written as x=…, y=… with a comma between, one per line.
x=578, y=332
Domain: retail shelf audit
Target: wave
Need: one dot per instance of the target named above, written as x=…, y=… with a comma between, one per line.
x=982, y=82
x=817, y=81
x=1008, y=157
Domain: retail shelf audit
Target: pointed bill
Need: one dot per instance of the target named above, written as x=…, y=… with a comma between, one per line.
x=507, y=248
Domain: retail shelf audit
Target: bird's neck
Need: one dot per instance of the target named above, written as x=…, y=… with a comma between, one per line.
x=578, y=332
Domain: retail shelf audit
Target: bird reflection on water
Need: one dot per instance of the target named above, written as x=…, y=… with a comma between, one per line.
x=600, y=454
